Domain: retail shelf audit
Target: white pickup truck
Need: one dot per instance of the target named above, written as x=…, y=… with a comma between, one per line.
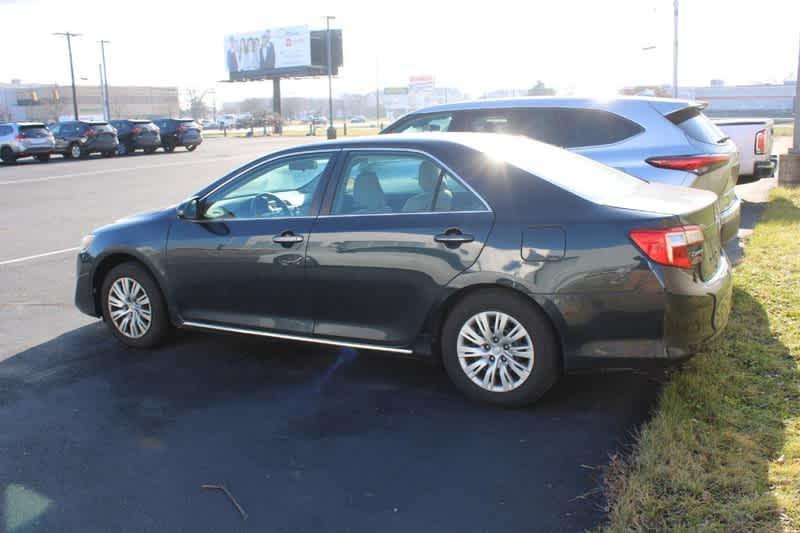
x=753, y=137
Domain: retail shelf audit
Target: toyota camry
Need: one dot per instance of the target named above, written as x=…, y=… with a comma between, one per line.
x=511, y=260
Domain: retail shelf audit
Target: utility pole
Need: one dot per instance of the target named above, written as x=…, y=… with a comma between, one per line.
x=106, y=105
x=69, y=37
x=103, y=91
x=331, y=128
x=675, y=52
x=377, y=95
x=796, y=144
x=789, y=163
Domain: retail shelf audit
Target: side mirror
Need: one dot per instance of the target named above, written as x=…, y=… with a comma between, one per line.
x=191, y=209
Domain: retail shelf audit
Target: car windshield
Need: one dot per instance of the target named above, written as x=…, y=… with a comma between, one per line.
x=579, y=175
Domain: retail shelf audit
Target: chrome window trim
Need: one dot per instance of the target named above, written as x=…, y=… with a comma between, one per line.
x=302, y=338
x=429, y=156
x=345, y=215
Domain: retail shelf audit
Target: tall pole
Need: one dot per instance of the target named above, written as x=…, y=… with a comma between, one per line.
x=675, y=51
x=106, y=97
x=796, y=144
x=103, y=91
x=69, y=36
x=331, y=128
x=377, y=94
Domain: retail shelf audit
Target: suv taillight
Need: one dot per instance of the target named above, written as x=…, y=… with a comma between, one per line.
x=698, y=164
x=19, y=137
x=136, y=130
x=680, y=246
x=761, y=142
x=90, y=133
x=180, y=129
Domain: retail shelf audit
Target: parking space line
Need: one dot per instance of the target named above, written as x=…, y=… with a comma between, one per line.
x=37, y=256
x=113, y=170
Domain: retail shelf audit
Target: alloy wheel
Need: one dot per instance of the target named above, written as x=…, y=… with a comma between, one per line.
x=129, y=308
x=75, y=151
x=495, y=351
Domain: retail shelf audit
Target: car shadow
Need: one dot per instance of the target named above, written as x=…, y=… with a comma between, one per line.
x=308, y=438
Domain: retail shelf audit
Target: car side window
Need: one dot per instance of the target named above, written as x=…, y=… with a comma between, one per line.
x=491, y=122
x=576, y=128
x=385, y=183
x=452, y=195
x=433, y=122
x=278, y=189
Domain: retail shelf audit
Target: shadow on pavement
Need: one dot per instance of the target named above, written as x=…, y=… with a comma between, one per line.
x=103, y=438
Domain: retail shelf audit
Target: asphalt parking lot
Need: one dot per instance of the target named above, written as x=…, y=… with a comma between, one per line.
x=97, y=437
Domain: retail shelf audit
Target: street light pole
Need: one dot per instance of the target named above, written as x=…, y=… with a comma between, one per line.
x=106, y=97
x=69, y=36
x=675, y=52
x=796, y=144
x=331, y=128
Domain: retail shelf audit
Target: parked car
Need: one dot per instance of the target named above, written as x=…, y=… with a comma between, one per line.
x=358, y=119
x=657, y=139
x=179, y=132
x=80, y=138
x=753, y=137
x=135, y=134
x=25, y=139
x=510, y=259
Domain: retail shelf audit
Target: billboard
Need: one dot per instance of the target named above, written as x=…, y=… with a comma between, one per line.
x=421, y=83
x=267, y=53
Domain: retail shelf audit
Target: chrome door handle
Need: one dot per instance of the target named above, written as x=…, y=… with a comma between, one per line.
x=454, y=237
x=287, y=238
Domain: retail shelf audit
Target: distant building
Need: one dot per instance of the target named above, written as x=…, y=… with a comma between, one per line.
x=743, y=100
x=35, y=101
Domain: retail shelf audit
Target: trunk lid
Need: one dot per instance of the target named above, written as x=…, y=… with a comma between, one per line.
x=680, y=206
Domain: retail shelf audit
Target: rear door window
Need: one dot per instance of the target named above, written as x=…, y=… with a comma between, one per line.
x=424, y=123
x=577, y=128
x=696, y=125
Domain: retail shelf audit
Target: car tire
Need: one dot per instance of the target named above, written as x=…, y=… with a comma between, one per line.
x=122, y=149
x=522, y=368
x=149, y=150
x=122, y=290
x=8, y=156
x=74, y=151
x=191, y=147
x=169, y=146
x=43, y=158
x=110, y=153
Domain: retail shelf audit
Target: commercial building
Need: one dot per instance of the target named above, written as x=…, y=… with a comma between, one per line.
x=744, y=100
x=46, y=102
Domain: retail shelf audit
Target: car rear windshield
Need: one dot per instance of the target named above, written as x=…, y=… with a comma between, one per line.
x=696, y=125
x=33, y=132
x=188, y=123
x=579, y=175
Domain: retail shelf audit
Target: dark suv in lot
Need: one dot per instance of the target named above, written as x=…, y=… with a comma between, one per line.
x=179, y=132
x=137, y=134
x=80, y=138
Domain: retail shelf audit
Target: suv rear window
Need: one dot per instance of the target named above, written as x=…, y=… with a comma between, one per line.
x=33, y=132
x=696, y=125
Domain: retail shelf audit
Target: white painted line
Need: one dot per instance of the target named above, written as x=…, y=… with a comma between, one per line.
x=114, y=170
x=37, y=256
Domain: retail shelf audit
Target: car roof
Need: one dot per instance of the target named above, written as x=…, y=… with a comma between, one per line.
x=35, y=124
x=663, y=105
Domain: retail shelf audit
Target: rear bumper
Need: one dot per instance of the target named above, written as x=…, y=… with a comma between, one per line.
x=764, y=169
x=730, y=219
x=191, y=141
x=38, y=150
x=100, y=146
x=147, y=142
x=666, y=319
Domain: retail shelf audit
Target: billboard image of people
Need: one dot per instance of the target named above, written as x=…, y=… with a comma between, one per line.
x=267, y=52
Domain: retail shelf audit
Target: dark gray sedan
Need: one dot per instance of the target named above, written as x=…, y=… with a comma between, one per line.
x=512, y=260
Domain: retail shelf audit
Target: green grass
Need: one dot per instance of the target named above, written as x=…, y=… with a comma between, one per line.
x=722, y=452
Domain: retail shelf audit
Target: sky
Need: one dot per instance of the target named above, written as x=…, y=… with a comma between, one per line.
x=577, y=46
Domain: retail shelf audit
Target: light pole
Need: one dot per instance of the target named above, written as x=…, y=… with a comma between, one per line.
x=69, y=36
x=331, y=128
x=675, y=51
x=106, y=105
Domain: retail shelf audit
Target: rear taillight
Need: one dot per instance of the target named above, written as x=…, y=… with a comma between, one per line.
x=136, y=131
x=90, y=133
x=761, y=142
x=680, y=247
x=19, y=137
x=180, y=129
x=699, y=164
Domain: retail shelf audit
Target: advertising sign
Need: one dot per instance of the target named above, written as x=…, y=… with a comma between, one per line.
x=267, y=52
x=421, y=83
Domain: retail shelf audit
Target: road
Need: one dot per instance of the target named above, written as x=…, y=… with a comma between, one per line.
x=97, y=437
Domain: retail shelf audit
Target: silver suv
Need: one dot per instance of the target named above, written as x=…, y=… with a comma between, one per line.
x=656, y=139
x=25, y=139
